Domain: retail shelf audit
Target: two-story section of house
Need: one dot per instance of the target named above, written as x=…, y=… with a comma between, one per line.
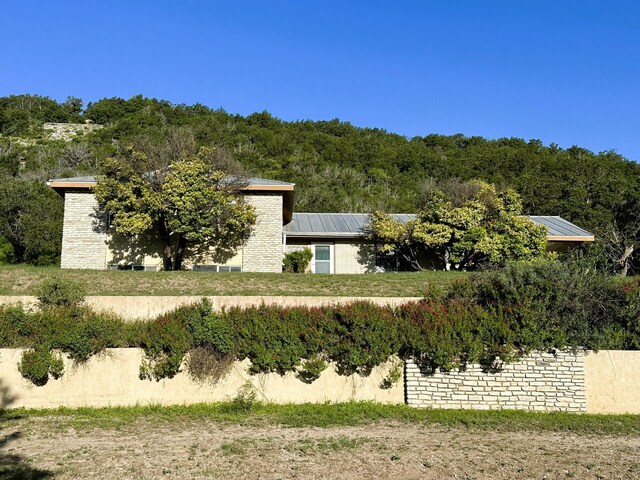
x=88, y=242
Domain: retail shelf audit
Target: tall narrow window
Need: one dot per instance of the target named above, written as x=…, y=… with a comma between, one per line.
x=322, y=259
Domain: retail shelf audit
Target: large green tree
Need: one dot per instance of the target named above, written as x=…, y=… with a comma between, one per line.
x=30, y=221
x=488, y=227
x=184, y=198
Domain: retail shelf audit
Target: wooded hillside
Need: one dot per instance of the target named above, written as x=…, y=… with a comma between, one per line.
x=336, y=166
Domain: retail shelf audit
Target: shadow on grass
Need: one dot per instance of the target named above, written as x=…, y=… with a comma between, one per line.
x=13, y=466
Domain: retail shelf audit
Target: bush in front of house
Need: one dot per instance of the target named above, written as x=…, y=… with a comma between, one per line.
x=297, y=261
x=495, y=316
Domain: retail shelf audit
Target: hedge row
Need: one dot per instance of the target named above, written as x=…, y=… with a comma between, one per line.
x=492, y=317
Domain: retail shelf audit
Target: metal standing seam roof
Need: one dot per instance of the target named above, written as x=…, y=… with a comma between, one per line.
x=333, y=224
x=354, y=225
x=559, y=227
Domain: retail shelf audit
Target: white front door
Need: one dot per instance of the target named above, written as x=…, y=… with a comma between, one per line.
x=322, y=258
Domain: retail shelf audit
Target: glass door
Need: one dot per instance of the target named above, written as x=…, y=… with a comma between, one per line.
x=322, y=259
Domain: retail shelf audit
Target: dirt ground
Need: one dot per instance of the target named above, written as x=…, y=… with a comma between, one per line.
x=48, y=448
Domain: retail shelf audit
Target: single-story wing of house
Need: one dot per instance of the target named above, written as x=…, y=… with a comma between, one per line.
x=338, y=241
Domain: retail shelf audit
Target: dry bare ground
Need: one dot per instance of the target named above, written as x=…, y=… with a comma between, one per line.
x=48, y=447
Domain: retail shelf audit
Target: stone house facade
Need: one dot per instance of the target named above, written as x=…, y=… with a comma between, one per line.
x=338, y=241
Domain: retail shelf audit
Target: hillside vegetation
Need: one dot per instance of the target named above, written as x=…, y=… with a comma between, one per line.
x=336, y=167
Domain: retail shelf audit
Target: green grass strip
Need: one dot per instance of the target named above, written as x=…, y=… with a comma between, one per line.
x=335, y=415
x=25, y=280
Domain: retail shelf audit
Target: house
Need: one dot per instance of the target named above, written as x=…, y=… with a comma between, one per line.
x=337, y=240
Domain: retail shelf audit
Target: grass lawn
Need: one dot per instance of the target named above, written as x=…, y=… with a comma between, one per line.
x=333, y=415
x=23, y=280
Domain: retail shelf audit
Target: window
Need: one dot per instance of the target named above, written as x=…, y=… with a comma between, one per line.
x=216, y=268
x=387, y=262
x=130, y=266
x=323, y=258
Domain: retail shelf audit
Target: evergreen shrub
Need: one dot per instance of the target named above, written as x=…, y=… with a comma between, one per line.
x=493, y=317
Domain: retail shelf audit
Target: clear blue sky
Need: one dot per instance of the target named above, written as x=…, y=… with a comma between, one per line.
x=560, y=71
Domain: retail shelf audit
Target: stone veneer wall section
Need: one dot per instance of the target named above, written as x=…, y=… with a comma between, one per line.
x=539, y=382
x=84, y=240
x=263, y=250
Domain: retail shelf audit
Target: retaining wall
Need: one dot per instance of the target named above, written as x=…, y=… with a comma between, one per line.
x=111, y=379
x=603, y=382
x=540, y=382
x=146, y=307
x=612, y=381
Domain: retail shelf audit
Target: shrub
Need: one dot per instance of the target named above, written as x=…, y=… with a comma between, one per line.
x=243, y=402
x=311, y=369
x=205, y=364
x=14, y=325
x=438, y=335
x=550, y=303
x=394, y=375
x=36, y=365
x=363, y=336
x=56, y=292
x=297, y=261
x=271, y=337
x=165, y=342
x=209, y=330
x=495, y=317
x=82, y=333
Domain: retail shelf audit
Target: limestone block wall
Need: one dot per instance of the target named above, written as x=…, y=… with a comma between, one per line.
x=354, y=257
x=540, y=382
x=84, y=238
x=263, y=250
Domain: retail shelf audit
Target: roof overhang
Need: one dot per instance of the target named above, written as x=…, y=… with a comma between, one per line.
x=325, y=234
x=560, y=238
x=60, y=186
x=339, y=235
x=329, y=235
x=270, y=188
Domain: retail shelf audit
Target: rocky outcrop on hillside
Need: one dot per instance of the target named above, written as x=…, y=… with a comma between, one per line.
x=66, y=131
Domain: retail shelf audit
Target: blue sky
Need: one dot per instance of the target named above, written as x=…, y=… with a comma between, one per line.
x=560, y=71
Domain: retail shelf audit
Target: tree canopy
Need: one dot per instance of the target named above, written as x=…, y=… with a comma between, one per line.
x=187, y=202
x=30, y=223
x=488, y=227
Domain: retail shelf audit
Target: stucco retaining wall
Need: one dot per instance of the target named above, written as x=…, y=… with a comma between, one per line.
x=612, y=381
x=540, y=382
x=146, y=307
x=111, y=379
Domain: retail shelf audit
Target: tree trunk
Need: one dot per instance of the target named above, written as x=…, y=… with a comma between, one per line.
x=447, y=263
x=624, y=260
x=167, y=257
x=167, y=253
x=182, y=246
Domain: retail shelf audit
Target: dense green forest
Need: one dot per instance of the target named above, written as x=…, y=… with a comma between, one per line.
x=336, y=167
